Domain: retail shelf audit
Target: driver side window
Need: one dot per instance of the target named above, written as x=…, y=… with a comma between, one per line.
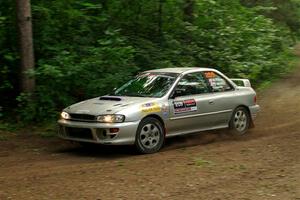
x=191, y=84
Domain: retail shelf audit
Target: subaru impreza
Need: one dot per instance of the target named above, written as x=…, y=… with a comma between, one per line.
x=159, y=104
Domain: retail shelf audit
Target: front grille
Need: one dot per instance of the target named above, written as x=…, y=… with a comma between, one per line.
x=82, y=117
x=80, y=133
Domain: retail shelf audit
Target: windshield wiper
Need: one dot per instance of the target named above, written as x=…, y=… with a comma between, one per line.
x=140, y=95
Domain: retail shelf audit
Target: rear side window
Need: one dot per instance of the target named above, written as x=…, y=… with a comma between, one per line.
x=217, y=82
x=193, y=83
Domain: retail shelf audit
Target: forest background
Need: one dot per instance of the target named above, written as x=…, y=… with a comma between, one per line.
x=85, y=48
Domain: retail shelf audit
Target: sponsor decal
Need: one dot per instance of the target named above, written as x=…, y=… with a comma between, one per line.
x=178, y=104
x=150, y=107
x=210, y=74
x=189, y=105
x=165, y=110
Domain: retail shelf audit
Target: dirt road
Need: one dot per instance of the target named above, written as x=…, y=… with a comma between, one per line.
x=261, y=166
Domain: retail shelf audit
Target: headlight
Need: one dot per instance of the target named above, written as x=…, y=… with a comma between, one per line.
x=111, y=118
x=65, y=115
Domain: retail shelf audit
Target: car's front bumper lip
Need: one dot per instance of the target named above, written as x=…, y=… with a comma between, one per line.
x=126, y=134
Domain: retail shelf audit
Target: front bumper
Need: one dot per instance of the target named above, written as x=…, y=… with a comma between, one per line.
x=254, y=111
x=98, y=132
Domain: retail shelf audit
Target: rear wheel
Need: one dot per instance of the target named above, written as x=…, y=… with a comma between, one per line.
x=240, y=121
x=150, y=136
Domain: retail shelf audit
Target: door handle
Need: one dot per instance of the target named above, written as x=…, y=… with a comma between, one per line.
x=211, y=102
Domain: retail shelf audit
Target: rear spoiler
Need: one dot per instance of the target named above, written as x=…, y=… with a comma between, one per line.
x=241, y=82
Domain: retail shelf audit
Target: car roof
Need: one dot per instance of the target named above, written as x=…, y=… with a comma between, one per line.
x=180, y=70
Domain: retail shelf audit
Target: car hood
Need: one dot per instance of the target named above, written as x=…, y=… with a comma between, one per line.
x=106, y=105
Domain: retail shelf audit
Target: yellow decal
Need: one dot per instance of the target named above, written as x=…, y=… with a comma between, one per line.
x=150, y=107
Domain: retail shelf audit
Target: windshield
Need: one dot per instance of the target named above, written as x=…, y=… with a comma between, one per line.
x=148, y=85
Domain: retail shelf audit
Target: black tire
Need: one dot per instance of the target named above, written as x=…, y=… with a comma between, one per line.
x=150, y=136
x=240, y=121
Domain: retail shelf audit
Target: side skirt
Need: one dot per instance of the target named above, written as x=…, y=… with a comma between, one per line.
x=169, y=135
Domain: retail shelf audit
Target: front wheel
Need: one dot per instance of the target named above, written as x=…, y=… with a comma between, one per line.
x=240, y=121
x=150, y=136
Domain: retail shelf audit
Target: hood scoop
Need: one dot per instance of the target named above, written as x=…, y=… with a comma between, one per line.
x=107, y=98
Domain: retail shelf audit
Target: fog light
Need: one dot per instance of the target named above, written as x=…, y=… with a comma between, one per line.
x=114, y=130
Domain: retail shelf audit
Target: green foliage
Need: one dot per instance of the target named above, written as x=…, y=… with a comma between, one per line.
x=284, y=12
x=8, y=56
x=85, y=48
x=79, y=57
x=7, y=127
x=238, y=41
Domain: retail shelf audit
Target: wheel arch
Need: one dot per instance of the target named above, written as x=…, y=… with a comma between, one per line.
x=141, y=148
x=251, y=125
x=159, y=119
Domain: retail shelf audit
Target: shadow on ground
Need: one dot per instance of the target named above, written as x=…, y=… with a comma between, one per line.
x=179, y=142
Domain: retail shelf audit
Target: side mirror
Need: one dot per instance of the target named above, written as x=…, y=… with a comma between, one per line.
x=177, y=93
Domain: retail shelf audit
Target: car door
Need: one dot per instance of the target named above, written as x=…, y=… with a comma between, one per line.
x=190, y=105
x=222, y=98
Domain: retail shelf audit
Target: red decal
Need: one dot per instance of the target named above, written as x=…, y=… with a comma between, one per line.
x=190, y=103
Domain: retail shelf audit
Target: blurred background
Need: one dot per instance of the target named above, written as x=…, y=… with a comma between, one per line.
x=80, y=49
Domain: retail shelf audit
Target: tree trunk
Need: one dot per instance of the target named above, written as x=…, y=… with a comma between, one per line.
x=188, y=11
x=160, y=20
x=26, y=44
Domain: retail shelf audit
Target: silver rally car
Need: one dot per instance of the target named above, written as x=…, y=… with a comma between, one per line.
x=162, y=103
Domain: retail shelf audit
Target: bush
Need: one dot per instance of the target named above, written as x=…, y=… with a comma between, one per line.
x=85, y=49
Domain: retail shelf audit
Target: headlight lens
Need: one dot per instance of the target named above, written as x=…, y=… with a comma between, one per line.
x=65, y=115
x=111, y=118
